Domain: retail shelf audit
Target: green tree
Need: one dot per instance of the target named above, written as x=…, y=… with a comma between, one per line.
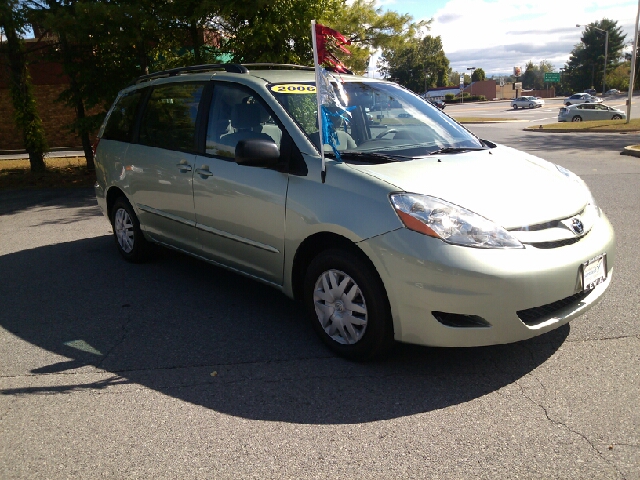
x=478, y=75
x=586, y=63
x=371, y=29
x=418, y=64
x=26, y=116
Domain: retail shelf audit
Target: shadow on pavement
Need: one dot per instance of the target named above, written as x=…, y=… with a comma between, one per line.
x=14, y=201
x=207, y=336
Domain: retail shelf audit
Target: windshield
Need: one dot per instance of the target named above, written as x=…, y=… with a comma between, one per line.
x=381, y=118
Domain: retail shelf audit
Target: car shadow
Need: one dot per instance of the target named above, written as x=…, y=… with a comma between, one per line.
x=14, y=201
x=207, y=336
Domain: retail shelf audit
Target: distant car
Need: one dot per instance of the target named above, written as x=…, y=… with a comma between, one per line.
x=613, y=91
x=589, y=111
x=527, y=102
x=404, y=115
x=591, y=91
x=436, y=102
x=578, y=98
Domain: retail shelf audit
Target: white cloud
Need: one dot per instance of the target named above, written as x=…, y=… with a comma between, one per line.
x=498, y=34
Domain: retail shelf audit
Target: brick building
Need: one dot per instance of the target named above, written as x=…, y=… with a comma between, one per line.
x=48, y=83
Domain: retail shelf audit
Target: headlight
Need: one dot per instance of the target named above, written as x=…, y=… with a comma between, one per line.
x=456, y=225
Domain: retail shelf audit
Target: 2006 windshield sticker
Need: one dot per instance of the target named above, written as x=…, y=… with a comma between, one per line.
x=293, y=88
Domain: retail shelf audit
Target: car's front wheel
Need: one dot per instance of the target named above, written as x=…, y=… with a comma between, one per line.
x=515, y=107
x=126, y=229
x=347, y=304
x=531, y=105
x=576, y=118
x=616, y=117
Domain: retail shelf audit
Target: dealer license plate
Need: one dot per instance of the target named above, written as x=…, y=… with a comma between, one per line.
x=594, y=272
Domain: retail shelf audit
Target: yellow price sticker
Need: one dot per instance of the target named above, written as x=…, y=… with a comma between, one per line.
x=293, y=88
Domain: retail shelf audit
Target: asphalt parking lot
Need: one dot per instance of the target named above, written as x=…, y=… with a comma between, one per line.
x=178, y=369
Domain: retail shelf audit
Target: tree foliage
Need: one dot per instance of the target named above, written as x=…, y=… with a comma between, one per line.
x=418, y=64
x=533, y=77
x=26, y=116
x=586, y=63
x=478, y=75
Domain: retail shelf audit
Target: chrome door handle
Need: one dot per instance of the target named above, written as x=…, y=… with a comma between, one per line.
x=204, y=172
x=183, y=166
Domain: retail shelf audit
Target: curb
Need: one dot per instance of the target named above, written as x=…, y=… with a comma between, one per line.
x=631, y=150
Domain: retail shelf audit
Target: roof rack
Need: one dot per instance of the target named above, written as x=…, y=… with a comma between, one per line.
x=271, y=66
x=227, y=67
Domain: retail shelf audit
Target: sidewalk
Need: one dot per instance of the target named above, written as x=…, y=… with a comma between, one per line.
x=54, y=153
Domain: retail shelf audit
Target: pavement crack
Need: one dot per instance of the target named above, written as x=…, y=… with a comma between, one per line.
x=565, y=426
x=123, y=337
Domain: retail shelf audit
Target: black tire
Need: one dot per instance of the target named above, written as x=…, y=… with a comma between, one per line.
x=127, y=234
x=376, y=335
x=567, y=104
x=515, y=107
x=616, y=117
x=576, y=118
x=531, y=105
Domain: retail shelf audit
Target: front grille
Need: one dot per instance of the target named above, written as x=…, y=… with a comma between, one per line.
x=536, y=315
x=556, y=243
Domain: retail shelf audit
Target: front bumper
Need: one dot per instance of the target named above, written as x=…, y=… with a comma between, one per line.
x=423, y=275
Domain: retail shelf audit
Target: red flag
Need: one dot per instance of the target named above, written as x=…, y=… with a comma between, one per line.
x=328, y=41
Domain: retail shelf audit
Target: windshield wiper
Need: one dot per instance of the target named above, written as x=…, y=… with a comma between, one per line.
x=372, y=157
x=456, y=150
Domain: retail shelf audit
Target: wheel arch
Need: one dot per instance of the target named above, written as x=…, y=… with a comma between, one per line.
x=311, y=247
x=112, y=195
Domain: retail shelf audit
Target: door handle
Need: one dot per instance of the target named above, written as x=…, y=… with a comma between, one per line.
x=204, y=171
x=183, y=166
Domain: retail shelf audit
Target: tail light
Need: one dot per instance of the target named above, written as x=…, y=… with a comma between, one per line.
x=94, y=145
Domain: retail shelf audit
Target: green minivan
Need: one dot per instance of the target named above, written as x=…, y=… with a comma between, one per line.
x=421, y=232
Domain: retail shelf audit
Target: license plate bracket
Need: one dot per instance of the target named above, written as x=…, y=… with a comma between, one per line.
x=594, y=272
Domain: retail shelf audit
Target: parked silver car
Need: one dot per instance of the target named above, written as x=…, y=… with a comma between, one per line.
x=589, y=111
x=578, y=98
x=526, y=102
x=421, y=232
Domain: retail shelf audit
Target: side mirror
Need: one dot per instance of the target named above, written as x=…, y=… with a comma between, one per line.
x=257, y=152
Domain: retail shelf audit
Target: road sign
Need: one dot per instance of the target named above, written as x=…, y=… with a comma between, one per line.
x=551, y=77
x=461, y=82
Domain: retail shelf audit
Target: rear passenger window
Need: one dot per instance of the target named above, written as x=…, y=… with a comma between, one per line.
x=169, y=119
x=122, y=118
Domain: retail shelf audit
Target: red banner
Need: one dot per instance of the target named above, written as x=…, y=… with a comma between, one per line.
x=328, y=42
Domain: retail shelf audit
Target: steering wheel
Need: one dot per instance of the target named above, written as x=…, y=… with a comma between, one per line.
x=380, y=135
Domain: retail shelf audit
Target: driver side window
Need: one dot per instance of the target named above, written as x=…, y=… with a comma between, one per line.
x=237, y=114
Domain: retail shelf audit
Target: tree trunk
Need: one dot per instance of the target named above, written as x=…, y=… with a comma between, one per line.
x=26, y=115
x=195, y=40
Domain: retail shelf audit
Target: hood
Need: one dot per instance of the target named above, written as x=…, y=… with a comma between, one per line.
x=509, y=187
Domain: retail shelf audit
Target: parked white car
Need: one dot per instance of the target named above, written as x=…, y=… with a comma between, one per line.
x=578, y=98
x=613, y=91
x=527, y=102
x=589, y=111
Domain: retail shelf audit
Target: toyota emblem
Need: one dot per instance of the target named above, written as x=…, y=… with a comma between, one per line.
x=577, y=226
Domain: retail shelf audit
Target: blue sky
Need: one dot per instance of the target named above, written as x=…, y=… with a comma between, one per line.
x=500, y=34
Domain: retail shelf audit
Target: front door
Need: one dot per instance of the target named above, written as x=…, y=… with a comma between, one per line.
x=240, y=210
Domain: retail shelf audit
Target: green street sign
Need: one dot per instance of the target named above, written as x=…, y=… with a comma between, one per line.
x=552, y=77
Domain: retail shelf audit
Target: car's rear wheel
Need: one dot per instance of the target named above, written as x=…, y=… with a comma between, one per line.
x=616, y=117
x=347, y=304
x=126, y=229
x=576, y=118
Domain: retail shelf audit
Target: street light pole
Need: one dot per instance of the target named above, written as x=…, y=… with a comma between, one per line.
x=633, y=65
x=606, y=50
x=471, y=78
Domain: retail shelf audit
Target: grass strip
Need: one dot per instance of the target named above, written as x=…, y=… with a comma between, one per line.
x=61, y=172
